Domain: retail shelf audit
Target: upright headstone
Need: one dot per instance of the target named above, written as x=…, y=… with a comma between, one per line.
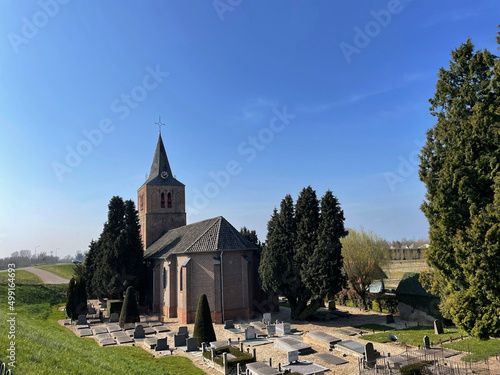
x=370, y=356
x=228, y=324
x=292, y=356
x=284, y=328
x=249, y=333
x=179, y=340
x=139, y=332
x=271, y=329
x=161, y=344
x=266, y=318
x=389, y=319
x=191, y=344
x=113, y=318
x=438, y=327
x=82, y=320
x=183, y=330
x=427, y=344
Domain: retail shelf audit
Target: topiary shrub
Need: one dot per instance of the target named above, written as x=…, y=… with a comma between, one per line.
x=130, y=310
x=76, y=299
x=203, y=328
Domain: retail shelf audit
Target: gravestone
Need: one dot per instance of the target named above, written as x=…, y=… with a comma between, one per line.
x=438, y=327
x=249, y=333
x=266, y=318
x=191, y=344
x=292, y=356
x=284, y=328
x=139, y=332
x=113, y=318
x=370, y=355
x=82, y=320
x=179, y=340
x=228, y=324
x=271, y=330
x=183, y=331
x=389, y=319
x=161, y=344
x=427, y=344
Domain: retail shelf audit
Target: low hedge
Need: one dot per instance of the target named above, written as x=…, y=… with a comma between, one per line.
x=418, y=368
x=241, y=357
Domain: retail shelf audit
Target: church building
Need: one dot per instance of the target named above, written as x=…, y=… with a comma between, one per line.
x=184, y=261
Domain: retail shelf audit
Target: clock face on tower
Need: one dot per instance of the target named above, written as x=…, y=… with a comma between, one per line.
x=164, y=175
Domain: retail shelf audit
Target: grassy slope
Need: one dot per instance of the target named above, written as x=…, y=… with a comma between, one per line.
x=415, y=335
x=22, y=277
x=65, y=270
x=45, y=347
x=479, y=349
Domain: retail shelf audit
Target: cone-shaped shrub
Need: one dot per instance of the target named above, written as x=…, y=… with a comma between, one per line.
x=130, y=310
x=203, y=328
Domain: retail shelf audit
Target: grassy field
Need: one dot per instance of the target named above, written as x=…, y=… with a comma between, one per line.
x=22, y=277
x=65, y=270
x=45, y=347
x=397, y=268
x=415, y=335
x=479, y=349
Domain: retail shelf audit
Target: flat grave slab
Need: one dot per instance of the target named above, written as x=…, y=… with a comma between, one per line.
x=218, y=344
x=257, y=341
x=331, y=359
x=103, y=336
x=107, y=342
x=113, y=327
x=85, y=332
x=160, y=329
x=128, y=326
x=82, y=326
x=149, y=331
x=67, y=322
x=261, y=368
x=99, y=330
x=321, y=339
x=259, y=325
x=124, y=338
x=150, y=343
x=236, y=331
x=306, y=368
x=351, y=347
x=289, y=343
x=155, y=323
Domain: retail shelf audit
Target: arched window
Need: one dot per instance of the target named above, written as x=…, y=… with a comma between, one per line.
x=162, y=200
x=169, y=200
x=164, y=277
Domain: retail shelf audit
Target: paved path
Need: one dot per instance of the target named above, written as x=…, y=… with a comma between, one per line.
x=47, y=277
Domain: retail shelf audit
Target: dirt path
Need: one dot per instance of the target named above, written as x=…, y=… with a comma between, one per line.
x=47, y=277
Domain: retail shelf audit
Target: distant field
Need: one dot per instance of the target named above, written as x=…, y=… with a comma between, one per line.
x=65, y=270
x=397, y=268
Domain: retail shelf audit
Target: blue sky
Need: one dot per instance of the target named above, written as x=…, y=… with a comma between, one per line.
x=259, y=98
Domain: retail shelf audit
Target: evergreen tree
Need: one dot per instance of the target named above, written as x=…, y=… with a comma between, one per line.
x=300, y=247
x=460, y=165
x=76, y=296
x=203, y=328
x=115, y=262
x=130, y=310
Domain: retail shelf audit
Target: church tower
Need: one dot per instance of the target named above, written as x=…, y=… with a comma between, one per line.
x=161, y=199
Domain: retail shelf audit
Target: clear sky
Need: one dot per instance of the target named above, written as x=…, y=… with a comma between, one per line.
x=260, y=99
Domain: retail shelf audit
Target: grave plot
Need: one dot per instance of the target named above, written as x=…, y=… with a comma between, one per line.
x=105, y=339
x=350, y=331
x=149, y=331
x=261, y=368
x=259, y=325
x=351, y=347
x=113, y=327
x=99, y=330
x=160, y=329
x=155, y=323
x=331, y=359
x=284, y=328
x=288, y=344
x=122, y=337
x=85, y=332
x=191, y=345
x=306, y=368
x=321, y=339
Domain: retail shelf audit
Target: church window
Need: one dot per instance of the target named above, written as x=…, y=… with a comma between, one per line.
x=169, y=200
x=162, y=200
x=164, y=277
x=180, y=281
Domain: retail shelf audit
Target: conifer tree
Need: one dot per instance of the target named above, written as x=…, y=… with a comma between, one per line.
x=203, y=328
x=130, y=310
x=460, y=165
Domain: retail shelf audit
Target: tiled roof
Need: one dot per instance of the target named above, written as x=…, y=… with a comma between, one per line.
x=208, y=235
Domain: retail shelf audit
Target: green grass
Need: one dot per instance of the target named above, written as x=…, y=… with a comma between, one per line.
x=65, y=270
x=45, y=347
x=376, y=327
x=479, y=349
x=415, y=335
x=22, y=277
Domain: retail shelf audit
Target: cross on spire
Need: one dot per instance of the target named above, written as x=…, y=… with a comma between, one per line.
x=160, y=124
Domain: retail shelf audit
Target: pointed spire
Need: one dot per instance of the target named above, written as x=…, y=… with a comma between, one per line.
x=160, y=173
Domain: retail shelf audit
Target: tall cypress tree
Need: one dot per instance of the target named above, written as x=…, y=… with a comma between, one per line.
x=203, y=327
x=460, y=165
